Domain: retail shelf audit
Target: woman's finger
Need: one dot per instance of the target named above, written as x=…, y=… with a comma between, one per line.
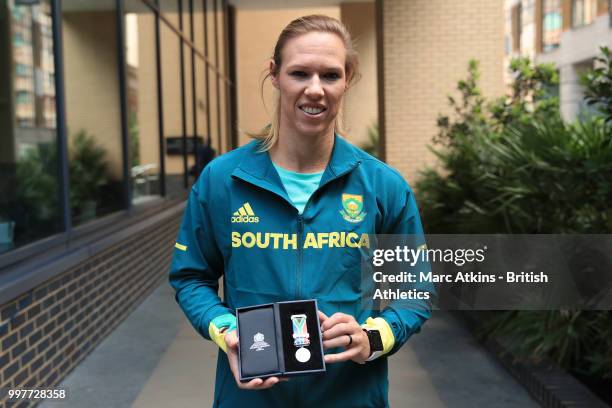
x=343, y=356
x=259, y=383
x=340, y=341
x=269, y=382
x=322, y=317
x=339, y=330
x=335, y=319
x=255, y=382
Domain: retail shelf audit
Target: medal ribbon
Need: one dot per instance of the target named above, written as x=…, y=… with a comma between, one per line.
x=300, y=330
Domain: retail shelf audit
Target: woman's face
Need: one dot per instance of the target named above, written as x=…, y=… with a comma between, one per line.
x=311, y=81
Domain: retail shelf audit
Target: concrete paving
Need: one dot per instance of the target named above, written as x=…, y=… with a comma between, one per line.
x=156, y=359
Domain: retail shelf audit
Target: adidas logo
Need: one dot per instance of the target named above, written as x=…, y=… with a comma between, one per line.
x=245, y=214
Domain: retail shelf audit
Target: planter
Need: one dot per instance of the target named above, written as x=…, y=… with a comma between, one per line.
x=549, y=385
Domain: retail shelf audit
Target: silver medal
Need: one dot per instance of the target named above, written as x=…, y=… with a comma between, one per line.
x=302, y=355
x=301, y=337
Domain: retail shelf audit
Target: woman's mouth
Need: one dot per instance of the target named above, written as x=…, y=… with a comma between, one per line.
x=312, y=110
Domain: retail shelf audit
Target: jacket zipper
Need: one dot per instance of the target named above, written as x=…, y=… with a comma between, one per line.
x=300, y=244
x=300, y=232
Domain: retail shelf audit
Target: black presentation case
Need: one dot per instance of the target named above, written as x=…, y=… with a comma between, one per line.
x=266, y=347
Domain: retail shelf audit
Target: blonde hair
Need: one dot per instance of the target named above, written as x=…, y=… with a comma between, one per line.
x=300, y=26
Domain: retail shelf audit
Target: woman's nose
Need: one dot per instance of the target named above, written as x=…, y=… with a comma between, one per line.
x=314, y=88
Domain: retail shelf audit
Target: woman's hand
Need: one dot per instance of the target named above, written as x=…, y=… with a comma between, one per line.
x=336, y=330
x=231, y=340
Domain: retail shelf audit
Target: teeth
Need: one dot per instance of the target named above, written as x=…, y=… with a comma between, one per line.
x=312, y=111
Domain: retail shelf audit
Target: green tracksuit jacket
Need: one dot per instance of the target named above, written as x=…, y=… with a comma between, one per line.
x=239, y=224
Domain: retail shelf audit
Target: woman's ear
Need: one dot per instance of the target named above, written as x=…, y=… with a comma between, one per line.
x=273, y=74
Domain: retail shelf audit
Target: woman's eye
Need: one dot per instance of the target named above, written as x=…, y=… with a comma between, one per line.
x=332, y=76
x=299, y=74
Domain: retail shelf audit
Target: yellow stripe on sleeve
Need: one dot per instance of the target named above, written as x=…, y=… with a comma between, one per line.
x=181, y=247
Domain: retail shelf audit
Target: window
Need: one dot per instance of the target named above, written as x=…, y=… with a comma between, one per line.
x=190, y=120
x=201, y=74
x=205, y=112
x=31, y=204
x=93, y=109
x=29, y=171
x=173, y=102
x=216, y=53
x=583, y=12
x=552, y=23
x=141, y=84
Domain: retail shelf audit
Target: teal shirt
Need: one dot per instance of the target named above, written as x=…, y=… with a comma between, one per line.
x=299, y=186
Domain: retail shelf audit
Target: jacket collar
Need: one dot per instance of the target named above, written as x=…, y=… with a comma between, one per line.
x=256, y=167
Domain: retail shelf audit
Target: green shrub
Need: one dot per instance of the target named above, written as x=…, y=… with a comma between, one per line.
x=88, y=173
x=37, y=192
x=580, y=341
x=37, y=182
x=514, y=166
x=598, y=84
x=134, y=139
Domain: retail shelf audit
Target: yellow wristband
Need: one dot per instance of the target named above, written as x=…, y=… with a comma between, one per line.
x=219, y=327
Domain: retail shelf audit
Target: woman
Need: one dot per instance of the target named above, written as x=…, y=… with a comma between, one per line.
x=284, y=217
